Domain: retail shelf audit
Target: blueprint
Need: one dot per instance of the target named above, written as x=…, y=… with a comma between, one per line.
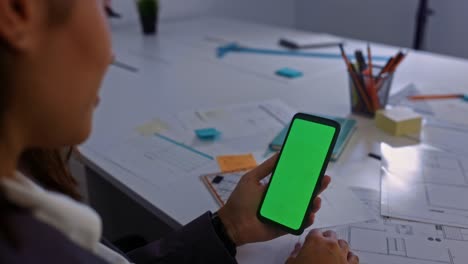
x=425, y=185
x=391, y=241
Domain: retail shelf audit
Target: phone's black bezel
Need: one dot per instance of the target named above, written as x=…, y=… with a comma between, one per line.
x=315, y=119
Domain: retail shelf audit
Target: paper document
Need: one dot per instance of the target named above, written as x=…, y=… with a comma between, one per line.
x=313, y=39
x=448, y=138
x=157, y=157
x=401, y=99
x=425, y=185
x=339, y=204
x=244, y=128
x=240, y=128
x=451, y=110
x=390, y=241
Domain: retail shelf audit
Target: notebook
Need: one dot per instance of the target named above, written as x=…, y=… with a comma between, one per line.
x=221, y=185
x=348, y=126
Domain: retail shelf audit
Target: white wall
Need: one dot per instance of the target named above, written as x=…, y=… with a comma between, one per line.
x=448, y=28
x=276, y=12
x=391, y=22
x=385, y=21
x=170, y=9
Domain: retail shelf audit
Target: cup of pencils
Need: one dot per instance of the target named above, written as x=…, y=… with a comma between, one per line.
x=370, y=84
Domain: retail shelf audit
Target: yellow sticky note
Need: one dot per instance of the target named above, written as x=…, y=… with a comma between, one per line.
x=236, y=162
x=399, y=121
x=151, y=128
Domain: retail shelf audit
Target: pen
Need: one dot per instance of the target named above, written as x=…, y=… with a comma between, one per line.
x=361, y=92
x=360, y=61
x=386, y=68
x=371, y=89
x=124, y=66
x=398, y=59
x=374, y=156
x=436, y=97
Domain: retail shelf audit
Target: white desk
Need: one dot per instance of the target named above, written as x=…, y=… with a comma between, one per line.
x=178, y=71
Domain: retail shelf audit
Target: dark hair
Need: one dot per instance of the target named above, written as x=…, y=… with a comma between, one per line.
x=4, y=80
x=46, y=166
x=49, y=169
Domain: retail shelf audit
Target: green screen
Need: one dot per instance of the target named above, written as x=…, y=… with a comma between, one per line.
x=296, y=174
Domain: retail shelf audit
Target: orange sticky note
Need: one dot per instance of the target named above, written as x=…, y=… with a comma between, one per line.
x=236, y=162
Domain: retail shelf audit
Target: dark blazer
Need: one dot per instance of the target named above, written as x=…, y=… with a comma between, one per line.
x=37, y=242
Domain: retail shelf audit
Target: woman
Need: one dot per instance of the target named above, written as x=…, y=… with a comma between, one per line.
x=53, y=56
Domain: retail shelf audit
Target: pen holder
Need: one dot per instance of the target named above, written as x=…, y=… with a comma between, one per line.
x=366, y=100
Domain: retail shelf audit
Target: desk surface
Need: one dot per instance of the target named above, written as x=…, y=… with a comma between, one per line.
x=178, y=70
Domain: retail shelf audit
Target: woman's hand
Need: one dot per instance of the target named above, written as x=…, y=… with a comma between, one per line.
x=322, y=248
x=239, y=215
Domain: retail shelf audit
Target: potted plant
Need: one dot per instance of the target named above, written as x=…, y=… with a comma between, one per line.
x=148, y=11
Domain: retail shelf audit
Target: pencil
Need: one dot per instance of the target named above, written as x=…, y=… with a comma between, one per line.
x=398, y=59
x=371, y=89
x=124, y=66
x=361, y=92
x=435, y=97
x=387, y=66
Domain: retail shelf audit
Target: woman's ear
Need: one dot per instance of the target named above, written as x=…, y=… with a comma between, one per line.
x=20, y=21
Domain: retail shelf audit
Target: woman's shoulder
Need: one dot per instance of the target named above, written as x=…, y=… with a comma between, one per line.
x=24, y=239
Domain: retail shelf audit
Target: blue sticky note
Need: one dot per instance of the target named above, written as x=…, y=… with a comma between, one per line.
x=465, y=97
x=289, y=73
x=207, y=133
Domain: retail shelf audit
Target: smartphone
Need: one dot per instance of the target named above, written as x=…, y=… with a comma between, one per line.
x=297, y=175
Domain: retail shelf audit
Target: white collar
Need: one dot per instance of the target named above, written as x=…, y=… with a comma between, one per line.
x=77, y=221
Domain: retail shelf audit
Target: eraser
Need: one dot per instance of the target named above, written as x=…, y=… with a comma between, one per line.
x=289, y=73
x=207, y=133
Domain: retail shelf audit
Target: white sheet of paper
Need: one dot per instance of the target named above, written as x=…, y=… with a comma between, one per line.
x=314, y=39
x=244, y=128
x=390, y=241
x=401, y=99
x=425, y=185
x=449, y=139
x=451, y=110
x=340, y=206
x=154, y=157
